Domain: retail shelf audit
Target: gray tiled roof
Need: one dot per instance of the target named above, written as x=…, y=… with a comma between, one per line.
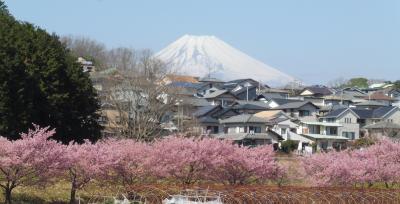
x=257, y=103
x=204, y=110
x=335, y=113
x=293, y=105
x=244, y=118
x=207, y=119
x=382, y=111
x=319, y=90
x=249, y=107
x=196, y=101
x=370, y=103
x=363, y=113
x=374, y=113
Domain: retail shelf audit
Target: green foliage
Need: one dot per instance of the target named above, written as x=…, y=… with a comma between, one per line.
x=358, y=82
x=41, y=83
x=397, y=84
x=289, y=145
x=362, y=142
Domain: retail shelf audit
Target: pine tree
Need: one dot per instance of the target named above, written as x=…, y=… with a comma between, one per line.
x=41, y=83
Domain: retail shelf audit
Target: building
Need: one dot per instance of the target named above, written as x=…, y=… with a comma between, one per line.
x=347, y=119
x=87, y=66
x=248, y=130
x=384, y=129
x=302, y=110
x=315, y=91
x=324, y=134
x=371, y=116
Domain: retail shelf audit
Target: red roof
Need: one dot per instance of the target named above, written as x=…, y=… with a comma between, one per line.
x=378, y=95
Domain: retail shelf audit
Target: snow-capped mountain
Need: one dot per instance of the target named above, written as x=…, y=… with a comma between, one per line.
x=208, y=56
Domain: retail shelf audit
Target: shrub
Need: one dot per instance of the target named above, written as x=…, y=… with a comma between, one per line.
x=289, y=145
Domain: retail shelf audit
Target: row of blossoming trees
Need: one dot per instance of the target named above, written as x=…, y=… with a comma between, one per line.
x=36, y=159
x=376, y=164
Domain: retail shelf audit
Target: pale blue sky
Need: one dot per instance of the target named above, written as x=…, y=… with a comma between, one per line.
x=313, y=40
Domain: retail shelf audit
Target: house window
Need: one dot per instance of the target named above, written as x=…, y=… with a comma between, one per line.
x=330, y=120
x=350, y=135
x=212, y=129
x=314, y=129
x=241, y=130
x=255, y=129
x=331, y=130
x=347, y=120
x=304, y=113
x=390, y=120
x=283, y=131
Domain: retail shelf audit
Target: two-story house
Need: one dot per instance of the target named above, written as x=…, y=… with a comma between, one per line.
x=324, y=134
x=248, y=130
x=347, y=119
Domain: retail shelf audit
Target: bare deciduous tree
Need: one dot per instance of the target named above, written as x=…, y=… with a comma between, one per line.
x=88, y=48
x=141, y=99
x=338, y=83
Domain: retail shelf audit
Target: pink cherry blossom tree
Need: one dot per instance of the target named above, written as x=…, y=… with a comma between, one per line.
x=28, y=161
x=182, y=159
x=377, y=163
x=237, y=165
x=127, y=161
x=85, y=162
x=190, y=160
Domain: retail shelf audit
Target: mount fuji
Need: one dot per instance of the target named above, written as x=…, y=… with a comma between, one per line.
x=208, y=56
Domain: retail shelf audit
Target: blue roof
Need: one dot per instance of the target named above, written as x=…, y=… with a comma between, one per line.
x=335, y=113
x=204, y=110
x=374, y=113
x=184, y=84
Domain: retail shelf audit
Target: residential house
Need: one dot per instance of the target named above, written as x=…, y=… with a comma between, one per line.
x=275, y=102
x=243, y=82
x=302, y=110
x=208, y=117
x=379, y=96
x=335, y=100
x=347, y=118
x=316, y=91
x=248, y=130
x=370, y=105
x=249, y=107
x=86, y=65
x=245, y=93
x=371, y=116
x=384, y=129
x=324, y=134
x=223, y=97
x=315, y=94
x=268, y=93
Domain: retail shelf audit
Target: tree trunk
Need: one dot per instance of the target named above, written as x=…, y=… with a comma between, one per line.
x=72, y=199
x=7, y=194
x=386, y=184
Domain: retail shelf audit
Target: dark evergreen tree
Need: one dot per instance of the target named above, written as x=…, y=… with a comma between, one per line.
x=41, y=83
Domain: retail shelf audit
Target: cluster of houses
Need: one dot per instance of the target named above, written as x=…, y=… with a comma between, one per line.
x=251, y=113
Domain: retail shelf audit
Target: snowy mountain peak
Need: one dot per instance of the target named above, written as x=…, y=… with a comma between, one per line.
x=209, y=56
